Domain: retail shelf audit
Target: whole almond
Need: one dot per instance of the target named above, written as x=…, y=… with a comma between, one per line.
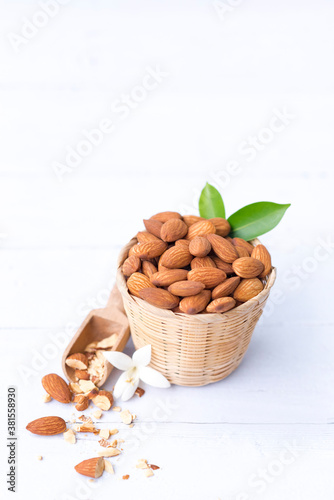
x=173, y=229
x=146, y=237
x=241, y=251
x=137, y=282
x=202, y=262
x=47, y=426
x=176, y=257
x=93, y=467
x=223, y=248
x=209, y=276
x=166, y=278
x=150, y=250
x=243, y=243
x=261, y=253
x=248, y=267
x=159, y=297
x=191, y=219
x=200, y=228
x=222, y=226
x=131, y=265
x=226, y=288
x=248, y=289
x=224, y=266
x=195, y=303
x=148, y=268
x=200, y=246
x=57, y=388
x=186, y=288
x=221, y=305
x=165, y=216
x=182, y=242
x=153, y=227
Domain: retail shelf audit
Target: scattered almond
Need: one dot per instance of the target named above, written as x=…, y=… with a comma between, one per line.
x=109, y=452
x=97, y=414
x=108, y=467
x=46, y=398
x=69, y=436
x=104, y=433
x=139, y=392
x=126, y=417
x=126, y=476
x=116, y=408
x=149, y=473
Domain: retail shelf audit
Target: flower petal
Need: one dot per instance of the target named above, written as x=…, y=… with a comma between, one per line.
x=130, y=390
x=120, y=385
x=142, y=356
x=118, y=359
x=153, y=377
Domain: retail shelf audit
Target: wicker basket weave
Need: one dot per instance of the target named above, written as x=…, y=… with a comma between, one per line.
x=192, y=350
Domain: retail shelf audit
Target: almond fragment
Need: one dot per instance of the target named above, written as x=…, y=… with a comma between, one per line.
x=104, y=443
x=81, y=374
x=93, y=467
x=85, y=419
x=139, y=392
x=113, y=432
x=97, y=414
x=82, y=402
x=142, y=464
x=86, y=427
x=75, y=388
x=103, y=400
x=93, y=393
x=104, y=433
x=108, y=467
x=126, y=417
x=149, y=473
x=46, y=398
x=69, y=436
x=39, y=457
x=116, y=408
x=86, y=386
x=109, y=452
x=78, y=361
x=154, y=467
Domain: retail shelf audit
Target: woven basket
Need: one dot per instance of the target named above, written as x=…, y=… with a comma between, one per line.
x=192, y=350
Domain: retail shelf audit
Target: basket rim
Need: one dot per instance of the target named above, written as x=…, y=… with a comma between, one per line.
x=203, y=317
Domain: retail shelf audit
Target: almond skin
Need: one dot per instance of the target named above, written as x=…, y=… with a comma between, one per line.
x=47, y=426
x=165, y=216
x=200, y=246
x=173, y=229
x=153, y=227
x=93, y=467
x=241, y=251
x=222, y=226
x=186, y=288
x=202, y=262
x=248, y=267
x=221, y=305
x=224, y=266
x=261, y=253
x=159, y=297
x=166, y=278
x=200, y=228
x=57, y=388
x=243, y=243
x=176, y=257
x=148, y=268
x=209, y=276
x=146, y=237
x=137, y=282
x=226, y=288
x=131, y=265
x=248, y=289
x=191, y=219
x=150, y=250
x=223, y=248
x=196, y=303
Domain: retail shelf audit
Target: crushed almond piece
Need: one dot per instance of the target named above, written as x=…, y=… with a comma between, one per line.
x=153, y=467
x=86, y=428
x=104, y=433
x=121, y=441
x=142, y=464
x=75, y=388
x=39, y=457
x=116, y=408
x=131, y=425
x=86, y=385
x=85, y=419
x=114, y=443
x=108, y=342
x=108, y=467
x=109, y=452
x=104, y=443
x=113, y=432
x=69, y=436
x=139, y=392
x=126, y=476
x=126, y=417
x=149, y=473
x=46, y=398
x=97, y=414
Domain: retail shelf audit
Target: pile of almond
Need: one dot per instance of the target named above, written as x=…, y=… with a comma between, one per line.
x=190, y=265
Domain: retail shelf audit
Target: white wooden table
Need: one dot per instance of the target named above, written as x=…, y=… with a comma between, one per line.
x=266, y=432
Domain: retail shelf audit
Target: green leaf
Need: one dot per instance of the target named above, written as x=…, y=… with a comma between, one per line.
x=211, y=203
x=256, y=219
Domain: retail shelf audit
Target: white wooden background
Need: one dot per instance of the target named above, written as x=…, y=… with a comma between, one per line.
x=59, y=241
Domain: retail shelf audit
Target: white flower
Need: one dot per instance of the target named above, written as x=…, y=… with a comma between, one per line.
x=135, y=369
